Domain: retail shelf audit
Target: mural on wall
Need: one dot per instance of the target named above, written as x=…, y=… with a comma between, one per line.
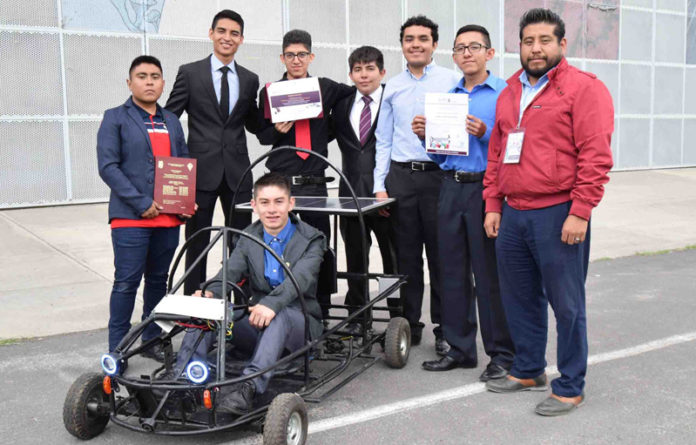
x=140, y=15
x=113, y=15
x=592, y=27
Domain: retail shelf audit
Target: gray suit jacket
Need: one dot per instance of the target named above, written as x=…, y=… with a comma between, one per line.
x=303, y=254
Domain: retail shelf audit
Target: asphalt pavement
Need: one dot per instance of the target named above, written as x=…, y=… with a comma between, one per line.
x=55, y=269
x=642, y=337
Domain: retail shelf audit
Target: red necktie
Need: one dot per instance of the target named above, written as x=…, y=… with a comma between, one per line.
x=303, y=138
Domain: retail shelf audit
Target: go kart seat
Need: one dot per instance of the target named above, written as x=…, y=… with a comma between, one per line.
x=327, y=283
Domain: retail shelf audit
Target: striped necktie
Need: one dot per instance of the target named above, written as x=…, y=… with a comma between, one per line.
x=365, y=120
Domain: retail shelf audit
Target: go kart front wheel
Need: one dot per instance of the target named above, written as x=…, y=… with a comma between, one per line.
x=286, y=421
x=86, y=407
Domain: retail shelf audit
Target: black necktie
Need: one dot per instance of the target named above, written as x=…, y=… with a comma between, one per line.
x=224, y=94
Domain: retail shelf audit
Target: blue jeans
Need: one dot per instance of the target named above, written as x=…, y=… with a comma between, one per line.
x=139, y=251
x=537, y=269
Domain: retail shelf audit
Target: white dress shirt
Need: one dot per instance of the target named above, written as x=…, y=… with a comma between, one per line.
x=359, y=105
x=232, y=80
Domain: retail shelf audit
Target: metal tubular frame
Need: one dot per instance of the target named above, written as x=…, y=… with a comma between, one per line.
x=361, y=219
x=309, y=388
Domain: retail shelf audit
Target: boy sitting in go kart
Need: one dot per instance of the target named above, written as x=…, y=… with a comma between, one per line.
x=275, y=322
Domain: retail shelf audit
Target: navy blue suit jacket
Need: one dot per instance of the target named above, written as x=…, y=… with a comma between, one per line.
x=126, y=161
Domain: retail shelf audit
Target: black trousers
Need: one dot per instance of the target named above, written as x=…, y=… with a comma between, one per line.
x=352, y=238
x=319, y=221
x=204, y=218
x=464, y=248
x=415, y=225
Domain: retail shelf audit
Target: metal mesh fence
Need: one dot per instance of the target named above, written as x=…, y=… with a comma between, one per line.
x=174, y=53
x=65, y=61
x=86, y=183
x=28, y=12
x=30, y=74
x=32, y=163
x=96, y=71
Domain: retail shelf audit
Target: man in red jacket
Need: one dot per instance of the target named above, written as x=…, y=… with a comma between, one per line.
x=548, y=160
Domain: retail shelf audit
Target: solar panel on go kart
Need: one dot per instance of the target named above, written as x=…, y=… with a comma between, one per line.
x=334, y=205
x=170, y=401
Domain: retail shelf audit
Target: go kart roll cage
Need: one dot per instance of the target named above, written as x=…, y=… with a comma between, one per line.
x=124, y=350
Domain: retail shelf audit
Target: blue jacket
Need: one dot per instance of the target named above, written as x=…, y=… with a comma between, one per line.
x=126, y=162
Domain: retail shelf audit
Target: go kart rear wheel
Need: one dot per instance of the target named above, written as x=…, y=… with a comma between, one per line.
x=86, y=407
x=397, y=342
x=286, y=421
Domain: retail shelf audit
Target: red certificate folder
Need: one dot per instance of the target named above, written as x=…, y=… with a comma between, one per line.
x=175, y=184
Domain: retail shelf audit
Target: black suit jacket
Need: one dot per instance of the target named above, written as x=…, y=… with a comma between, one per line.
x=288, y=163
x=220, y=147
x=358, y=161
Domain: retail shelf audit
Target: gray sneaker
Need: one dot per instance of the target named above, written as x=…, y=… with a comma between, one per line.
x=508, y=385
x=554, y=407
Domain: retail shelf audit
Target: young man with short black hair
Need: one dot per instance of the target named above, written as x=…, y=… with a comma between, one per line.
x=219, y=96
x=306, y=172
x=354, y=120
x=275, y=322
x=549, y=158
x=463, y=245
x=404, y=171
x=144, y=240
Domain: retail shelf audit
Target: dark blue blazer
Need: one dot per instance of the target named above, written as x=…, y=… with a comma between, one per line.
x=126, y=162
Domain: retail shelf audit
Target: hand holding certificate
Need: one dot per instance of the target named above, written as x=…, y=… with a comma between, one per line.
x=175, y=185
x=292, y=100
x=445, y=126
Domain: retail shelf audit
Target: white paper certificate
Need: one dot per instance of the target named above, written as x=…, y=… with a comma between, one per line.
x=292, y=100
x=445, y=126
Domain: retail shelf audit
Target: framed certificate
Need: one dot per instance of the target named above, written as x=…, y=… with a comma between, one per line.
x=445, y=123
x=175, y=184
x=292, y=100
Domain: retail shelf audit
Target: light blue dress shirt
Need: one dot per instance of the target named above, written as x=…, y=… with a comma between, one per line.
x=482, y=102
x=529, y=92
x=272, y=270
x=402, y=100
x=232, y=80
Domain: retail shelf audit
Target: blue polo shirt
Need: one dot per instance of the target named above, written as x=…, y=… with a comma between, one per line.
x=482, y=102
x=272, y=270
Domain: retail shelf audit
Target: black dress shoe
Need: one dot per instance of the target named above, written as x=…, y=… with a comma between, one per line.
x=416, y=338
x=447, y=363
x=155, y=353
x=441, y=346
x=493, y=371
x=353, y=329
x=238, y=401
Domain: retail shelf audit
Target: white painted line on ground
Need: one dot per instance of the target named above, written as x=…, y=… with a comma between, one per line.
x=476, y=388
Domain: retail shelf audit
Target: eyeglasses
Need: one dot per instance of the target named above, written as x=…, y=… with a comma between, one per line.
x=473, y=48
x=290, y=56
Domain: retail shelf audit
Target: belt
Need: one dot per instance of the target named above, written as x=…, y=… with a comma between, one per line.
x=462, y=176
x=306, y=180
x=418, y=166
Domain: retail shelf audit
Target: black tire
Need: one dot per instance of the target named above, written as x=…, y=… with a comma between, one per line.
x=286, y=421
x=77, y=418
x=397, y=342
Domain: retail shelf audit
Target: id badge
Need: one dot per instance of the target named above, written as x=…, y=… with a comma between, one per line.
x=513, y=149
